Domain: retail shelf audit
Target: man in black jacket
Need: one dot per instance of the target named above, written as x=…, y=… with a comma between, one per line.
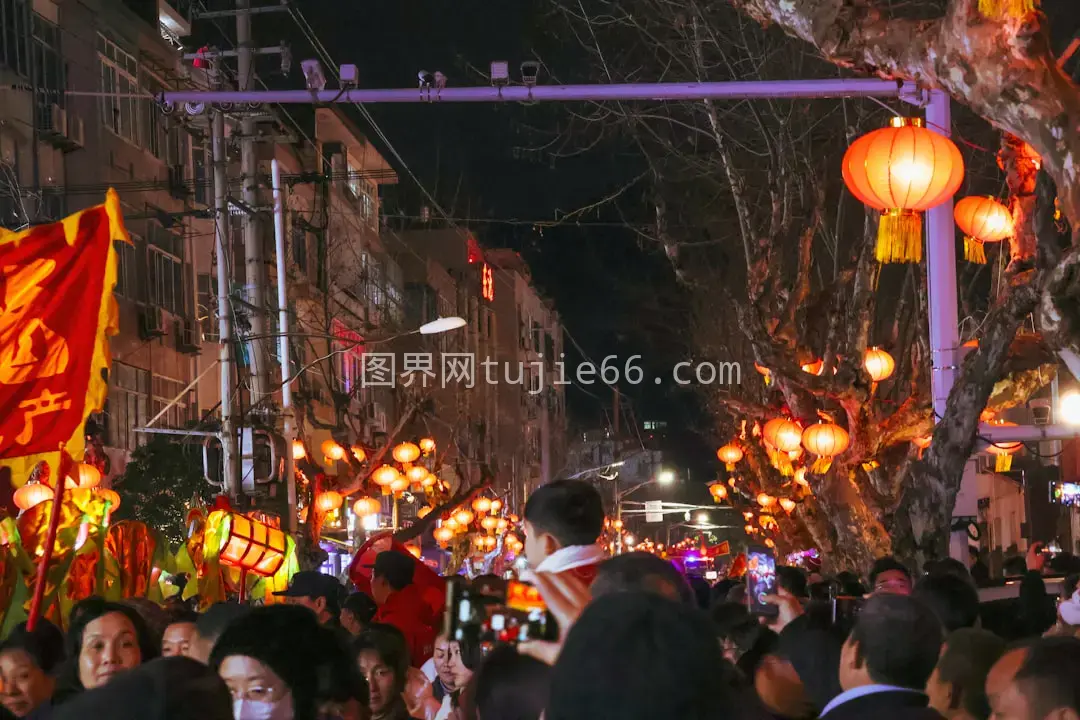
x=886, y=661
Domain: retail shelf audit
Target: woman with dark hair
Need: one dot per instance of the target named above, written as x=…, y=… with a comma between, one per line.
x=461, y=659
x=280, y=664
x=382, y=655
x=28, y=661
x=508, y=686
x=104, y=640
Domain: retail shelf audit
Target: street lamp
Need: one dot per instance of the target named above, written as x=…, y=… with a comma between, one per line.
x=441, y=325
x=1069, y=408
x=665, y=477
x=703, y=518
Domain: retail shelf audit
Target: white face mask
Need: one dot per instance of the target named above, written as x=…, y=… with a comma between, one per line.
x=259, y=710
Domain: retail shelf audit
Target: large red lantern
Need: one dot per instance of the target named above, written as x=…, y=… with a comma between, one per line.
x=982, y=220
x=902, y=170
x=879, y=364
x=826, y=440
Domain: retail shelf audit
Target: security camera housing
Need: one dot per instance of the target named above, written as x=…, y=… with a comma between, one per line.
x=313, y=75
x=349, y=75
x=530, y=69
x=500, y=73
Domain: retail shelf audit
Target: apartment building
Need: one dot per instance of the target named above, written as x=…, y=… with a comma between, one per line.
x=531, y=386
x=446, y=275
x=60, y=151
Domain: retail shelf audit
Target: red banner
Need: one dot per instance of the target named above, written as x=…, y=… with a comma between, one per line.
x=56, y=313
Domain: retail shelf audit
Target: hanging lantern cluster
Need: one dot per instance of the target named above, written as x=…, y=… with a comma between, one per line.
x=902, y=170
x=982, y=220
x=481, y=524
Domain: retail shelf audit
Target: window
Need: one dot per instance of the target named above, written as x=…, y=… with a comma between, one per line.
x=120, y=87
x=376, y=285
x=14, y=36
x=48, y=69
x=206, y=313
x=127, y=270
x=367, y=204
x=299, y=244
x=354, y=181
x=165, y=282
x=201, y=163
x=395, y=306
x=350, y=357
x=179, y=413
x=127, y=405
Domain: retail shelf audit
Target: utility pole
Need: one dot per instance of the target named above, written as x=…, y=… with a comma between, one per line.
x=254, y=257
x=221, y=222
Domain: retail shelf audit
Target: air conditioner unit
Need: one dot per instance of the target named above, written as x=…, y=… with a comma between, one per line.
x=58, y=121
x=76, y=132
x=185, y=337
x=151, y=322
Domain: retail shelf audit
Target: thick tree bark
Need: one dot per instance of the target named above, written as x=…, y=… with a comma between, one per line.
x=1005, y=72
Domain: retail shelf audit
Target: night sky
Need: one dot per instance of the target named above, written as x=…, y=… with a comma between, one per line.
x=483, y=164
x=616, y=294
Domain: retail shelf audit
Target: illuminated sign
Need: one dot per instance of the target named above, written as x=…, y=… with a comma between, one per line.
x=487, y=283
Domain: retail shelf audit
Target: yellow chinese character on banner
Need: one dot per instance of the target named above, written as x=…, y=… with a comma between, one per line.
x=29, y=349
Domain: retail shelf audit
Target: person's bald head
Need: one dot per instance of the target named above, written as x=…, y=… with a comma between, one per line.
x=642, y=571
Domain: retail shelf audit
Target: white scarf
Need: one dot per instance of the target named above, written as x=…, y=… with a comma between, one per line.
x=1070, y=609
x=567, y=558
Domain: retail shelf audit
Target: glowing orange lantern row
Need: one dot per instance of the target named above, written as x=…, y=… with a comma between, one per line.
x=902, y=170
x=982, y=220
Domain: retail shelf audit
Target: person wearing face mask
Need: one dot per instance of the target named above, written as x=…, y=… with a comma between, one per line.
x=28, y=660
x=105, y=639
x=280, y=664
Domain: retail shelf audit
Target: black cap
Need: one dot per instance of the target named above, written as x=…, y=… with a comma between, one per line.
x=312, y=584
x=396, y=567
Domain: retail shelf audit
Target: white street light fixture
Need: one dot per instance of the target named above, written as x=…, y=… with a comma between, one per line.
x=665, y=477
x=703, y=518
x=1069, y=408
x=441, y=325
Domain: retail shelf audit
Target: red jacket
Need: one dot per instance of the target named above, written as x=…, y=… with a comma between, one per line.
x=408, y=612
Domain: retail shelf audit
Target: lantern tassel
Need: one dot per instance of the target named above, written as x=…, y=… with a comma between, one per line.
x=899, y=237
x=1003, y=463
x=974, y=251
x=821, y=465
x=730, y=467
x=1006, y=9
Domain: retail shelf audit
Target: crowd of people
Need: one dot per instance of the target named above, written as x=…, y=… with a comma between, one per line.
x=635, y=639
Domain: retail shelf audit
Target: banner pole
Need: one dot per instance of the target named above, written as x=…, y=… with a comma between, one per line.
x=50, y=540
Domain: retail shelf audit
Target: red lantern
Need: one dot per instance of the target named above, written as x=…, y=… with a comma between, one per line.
x=1003, y=450
x=406, y=452
x=902, y=170
x=328, y=501
x=718, y=491
x=366, y=506
x=814, y=368
x=729, y=455
x=879, y=364
x=108, y=496
x=826, y=440
x=982, y=220
x=31, y=494
x=384, y=477
x=782, y=434
x=253, y=546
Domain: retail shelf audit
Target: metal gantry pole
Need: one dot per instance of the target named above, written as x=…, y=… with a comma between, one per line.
x=254, y=260
x=230, y=476
x=283, y=342
x=747, y=90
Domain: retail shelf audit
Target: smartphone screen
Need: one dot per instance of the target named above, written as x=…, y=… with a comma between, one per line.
x=524, y=597
x=760, y=580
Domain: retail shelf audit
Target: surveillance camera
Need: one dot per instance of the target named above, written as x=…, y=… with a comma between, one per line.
x=500, y=73
x=427, y=80
x=530, y=69
x=313, y=75
x=194, y=108
x=349, y=75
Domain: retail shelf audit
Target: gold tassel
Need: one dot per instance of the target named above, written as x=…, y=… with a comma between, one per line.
x=821, y=465
x=899, y=237
x=730, y=467
x=1003, y=463
x=974, y=251
x=1006, y=9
